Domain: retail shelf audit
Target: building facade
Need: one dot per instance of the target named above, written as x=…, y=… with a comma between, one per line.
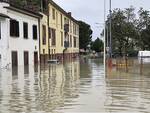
x=44, y=42
x=59, y=34
x=19, y=36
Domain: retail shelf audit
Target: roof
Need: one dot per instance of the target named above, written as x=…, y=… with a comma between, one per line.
x=4, y=16
x=24, y=11
x=62, y=10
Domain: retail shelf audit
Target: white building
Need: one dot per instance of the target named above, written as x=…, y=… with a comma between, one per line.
x=19, y=36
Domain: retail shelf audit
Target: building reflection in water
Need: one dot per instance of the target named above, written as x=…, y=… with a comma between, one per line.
x=35, y=88
x=15, y=72
x=59, y=83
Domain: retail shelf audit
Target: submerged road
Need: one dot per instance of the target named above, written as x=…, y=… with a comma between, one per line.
x=73, y=87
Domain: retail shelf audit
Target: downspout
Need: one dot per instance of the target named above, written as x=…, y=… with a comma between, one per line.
x=40, y=32
x=48, y=31
x=39, y=40
x=65, y=49
x=64, y=53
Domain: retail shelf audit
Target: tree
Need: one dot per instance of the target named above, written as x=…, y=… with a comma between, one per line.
x=123, y=30
x=33, y=5
x=146, y=38
x=85, y=35
x=97, y=45
x=143, y=29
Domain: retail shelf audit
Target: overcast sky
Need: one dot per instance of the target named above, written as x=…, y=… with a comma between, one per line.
x=92, y=11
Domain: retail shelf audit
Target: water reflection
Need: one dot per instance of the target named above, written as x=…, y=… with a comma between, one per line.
x=144, y=60
x=74, y=87
x=23, y=89
x=128, y=91
x=15, y=71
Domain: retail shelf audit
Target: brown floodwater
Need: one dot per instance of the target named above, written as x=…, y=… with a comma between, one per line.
x=79, y=86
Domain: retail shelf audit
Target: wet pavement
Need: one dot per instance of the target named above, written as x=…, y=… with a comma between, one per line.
x=75, y=87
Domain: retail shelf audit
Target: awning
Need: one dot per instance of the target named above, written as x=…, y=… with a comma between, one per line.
x=4, y=16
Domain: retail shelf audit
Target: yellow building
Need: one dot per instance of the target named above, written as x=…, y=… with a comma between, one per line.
x=59, y=33
x=44, y=38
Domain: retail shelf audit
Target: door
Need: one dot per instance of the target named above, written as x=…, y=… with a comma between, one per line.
x=26, y=58
x=14, y=57
x=35, y=58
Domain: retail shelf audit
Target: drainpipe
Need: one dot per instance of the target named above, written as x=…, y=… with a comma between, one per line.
x=48, y=32
x=39, y=40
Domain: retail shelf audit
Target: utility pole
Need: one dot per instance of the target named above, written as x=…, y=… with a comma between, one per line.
x=104, y=37
x=110, y=22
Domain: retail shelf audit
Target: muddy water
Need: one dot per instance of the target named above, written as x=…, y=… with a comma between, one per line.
x=127, y=87
x=73, y=87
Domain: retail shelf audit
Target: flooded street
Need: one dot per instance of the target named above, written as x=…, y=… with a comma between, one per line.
x=128, y=87
x=74, y=87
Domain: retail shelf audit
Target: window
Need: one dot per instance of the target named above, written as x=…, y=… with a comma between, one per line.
x=26, y=58
x=65, y=20
x=53, y=13
x=53, y=31
x=14, y=56
x=34, y=31
x=61, y=21
x=74, y=28
x=52, y=35
x=49, y=32
x=56, y=19
x=70, y=26
x=70, y=41
x=44, y=34
x=52, y=51
x=43, y=51
x=77, y=30
x=44, y=4
x=49, y=52
x=0, y=30
x=14, y=28
x=62, y=41
x=74, y=40
x=25, y=30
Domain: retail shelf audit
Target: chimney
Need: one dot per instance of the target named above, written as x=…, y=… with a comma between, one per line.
x=69, y=13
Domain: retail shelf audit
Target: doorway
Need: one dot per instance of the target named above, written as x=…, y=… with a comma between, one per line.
x=35, y=58
x=14, y=57
x=26, y=58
